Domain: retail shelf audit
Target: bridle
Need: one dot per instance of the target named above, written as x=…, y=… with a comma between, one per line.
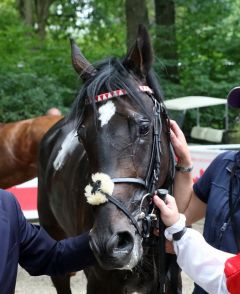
x=150, y=182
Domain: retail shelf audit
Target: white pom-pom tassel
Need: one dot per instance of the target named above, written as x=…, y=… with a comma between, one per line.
x=106, y=186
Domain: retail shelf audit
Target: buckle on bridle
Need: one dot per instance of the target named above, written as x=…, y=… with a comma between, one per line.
x=150, y=220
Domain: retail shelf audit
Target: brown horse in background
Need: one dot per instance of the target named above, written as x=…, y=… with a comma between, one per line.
x=19, y=143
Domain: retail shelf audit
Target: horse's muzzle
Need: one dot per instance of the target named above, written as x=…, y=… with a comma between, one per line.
x=113, y=252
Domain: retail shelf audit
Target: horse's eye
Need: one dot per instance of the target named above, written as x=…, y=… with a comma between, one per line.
x=144, y=128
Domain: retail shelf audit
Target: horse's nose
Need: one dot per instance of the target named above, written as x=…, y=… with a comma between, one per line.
x=120, y=244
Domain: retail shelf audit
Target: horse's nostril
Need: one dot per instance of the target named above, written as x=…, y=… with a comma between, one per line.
x=125, y=239
x=121, y=242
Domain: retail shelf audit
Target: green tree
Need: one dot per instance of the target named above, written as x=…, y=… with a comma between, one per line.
x=35, y=13
x=196, y=45
x=165, y=38
x=136, y=13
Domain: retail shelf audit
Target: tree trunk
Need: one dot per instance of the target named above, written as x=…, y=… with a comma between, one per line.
x=42, y=12
x=136, y=13
x=25, y=8
x=165, y=44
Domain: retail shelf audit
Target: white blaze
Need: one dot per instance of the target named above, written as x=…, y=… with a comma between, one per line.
x=106, y=112
x=67, y=148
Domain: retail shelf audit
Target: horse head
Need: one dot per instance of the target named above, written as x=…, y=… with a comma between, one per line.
x=122, y=124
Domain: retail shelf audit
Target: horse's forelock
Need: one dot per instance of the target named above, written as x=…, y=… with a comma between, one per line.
x=111, y=75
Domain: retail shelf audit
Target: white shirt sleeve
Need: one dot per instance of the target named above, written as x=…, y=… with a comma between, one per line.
x=201, y=262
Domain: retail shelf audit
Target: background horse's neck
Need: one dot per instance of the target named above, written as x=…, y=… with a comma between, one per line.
x=19, y=142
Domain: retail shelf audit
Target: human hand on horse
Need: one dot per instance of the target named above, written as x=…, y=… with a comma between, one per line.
x=169, y=211
x=169, y=215
x=180, y=146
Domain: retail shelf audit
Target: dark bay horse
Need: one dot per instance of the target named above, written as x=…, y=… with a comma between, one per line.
x=97, y=166
x=19, y=142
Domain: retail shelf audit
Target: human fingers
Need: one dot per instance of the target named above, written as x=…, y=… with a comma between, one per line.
x=174, y=139
x=169, y=211
x=170, y=202
x=180, y=146
x=177, y=137
x=159, y=203
x=175, y=128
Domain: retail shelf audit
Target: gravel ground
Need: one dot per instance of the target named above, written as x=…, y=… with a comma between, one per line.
x=35, y=285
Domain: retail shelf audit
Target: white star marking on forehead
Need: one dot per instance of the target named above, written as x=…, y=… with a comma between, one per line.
x=106, y=112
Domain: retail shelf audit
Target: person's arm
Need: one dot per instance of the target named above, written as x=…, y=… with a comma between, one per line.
x=187, y=200
x=202, y=189
x=183, y=181
x=196, y=209
x=200, y=261
x=40, y=254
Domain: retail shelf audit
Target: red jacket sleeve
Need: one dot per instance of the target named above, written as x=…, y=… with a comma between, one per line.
x=232, y=273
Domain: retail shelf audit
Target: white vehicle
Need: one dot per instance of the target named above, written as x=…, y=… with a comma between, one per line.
x=202, y=155
x=184, y=104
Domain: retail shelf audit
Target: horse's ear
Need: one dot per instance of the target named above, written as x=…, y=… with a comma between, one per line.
x=140, y=56
x=80, y=63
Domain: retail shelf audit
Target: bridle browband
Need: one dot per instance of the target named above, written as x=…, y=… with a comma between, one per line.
x=120, y=92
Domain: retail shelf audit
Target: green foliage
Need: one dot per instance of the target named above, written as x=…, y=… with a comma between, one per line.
x=97, y=26
x=35, y=75
x=208, y=38
x=25, y=95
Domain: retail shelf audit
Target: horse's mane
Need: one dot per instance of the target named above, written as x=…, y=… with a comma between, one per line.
x=110, y=75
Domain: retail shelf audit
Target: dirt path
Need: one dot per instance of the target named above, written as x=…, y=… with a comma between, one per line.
x=42, y=285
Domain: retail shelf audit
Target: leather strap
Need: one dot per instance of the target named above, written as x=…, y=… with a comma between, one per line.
x=177, y=236
x=129, y=180
x=125, y=211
